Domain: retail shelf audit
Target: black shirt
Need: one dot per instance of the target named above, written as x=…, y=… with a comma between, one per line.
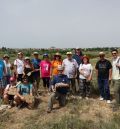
x=103, y=67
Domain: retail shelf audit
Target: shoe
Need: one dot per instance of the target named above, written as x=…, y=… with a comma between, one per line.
x=49, y=110
x=86, y=98
x=108, y=101
x=20, y=106
x=101, y=98
x=80, y=97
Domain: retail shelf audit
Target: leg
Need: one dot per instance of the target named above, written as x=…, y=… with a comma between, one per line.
x=62, y=100
x=101, y=87
x=44, y=82
x=82, y=87
x=19, y=77
x=87, y=88
x=48, y=82
x=107, y=89
x=6, y=99
x=73, y=86
x=37, y=81
x=17, y=100
x=117, y=91
x=51, y=100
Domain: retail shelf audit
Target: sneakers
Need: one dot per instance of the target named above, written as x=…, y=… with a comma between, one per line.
x=108, y=101
x=86, y=98
x=101, y=98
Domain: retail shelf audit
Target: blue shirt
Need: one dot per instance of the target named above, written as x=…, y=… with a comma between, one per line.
x=36, y=64
x=58, y=79
x=25, y=89
x=78, y=58
x=2, y=66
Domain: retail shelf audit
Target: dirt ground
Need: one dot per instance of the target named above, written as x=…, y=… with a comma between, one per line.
x=91, y=109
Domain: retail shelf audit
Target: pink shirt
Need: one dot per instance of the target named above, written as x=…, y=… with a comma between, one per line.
x=45, y=68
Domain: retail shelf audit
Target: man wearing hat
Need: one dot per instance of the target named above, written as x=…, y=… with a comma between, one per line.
x=8, y=68
x=70, y=69
x=36, y=74
x=59, y=86
x=78, y=57
x=19, y=66
x=104, y=75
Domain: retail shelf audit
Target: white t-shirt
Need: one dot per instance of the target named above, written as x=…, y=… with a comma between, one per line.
x=115, y=69
x=20, y=66
x=70, y=67
x=7, y=67
x=87, y=70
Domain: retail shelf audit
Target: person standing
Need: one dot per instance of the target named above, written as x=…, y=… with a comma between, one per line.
x=28, y=69
x=116, y=75
x=70, y=69
x=19, y=66
x=56, y=61
x=46, y=70
x=78, y=57
x=104, y=75
x=8, y=68
x=36, y=74
x=85, y=70
x=2, y=77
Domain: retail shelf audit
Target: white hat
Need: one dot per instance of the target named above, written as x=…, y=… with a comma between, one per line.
x=69, y=53
x=27, y=58
x=60, y=67
x=77, y=47
x=101, y=53
x=35, y=53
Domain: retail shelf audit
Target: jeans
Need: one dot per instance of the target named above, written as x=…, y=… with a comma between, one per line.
x=46, y=81
x=104, y=88
x=57, y=96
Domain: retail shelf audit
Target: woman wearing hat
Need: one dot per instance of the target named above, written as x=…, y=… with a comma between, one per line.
x=55, y=63
x=8, y=68
x=45, y=69
x=28, y=69
x=19, y=66
x=85, y=76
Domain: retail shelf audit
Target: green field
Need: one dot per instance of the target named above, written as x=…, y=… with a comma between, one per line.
x=77, y=114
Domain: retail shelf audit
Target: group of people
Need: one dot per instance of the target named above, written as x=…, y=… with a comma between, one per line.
x=59, y=77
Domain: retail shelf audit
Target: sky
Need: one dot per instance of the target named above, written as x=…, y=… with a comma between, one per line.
x=59, y=23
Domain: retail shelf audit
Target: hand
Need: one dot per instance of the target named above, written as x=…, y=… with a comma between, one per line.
x=117, y=65
x=22, y=98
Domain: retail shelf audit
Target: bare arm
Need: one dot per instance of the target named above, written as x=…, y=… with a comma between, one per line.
x=110, y=74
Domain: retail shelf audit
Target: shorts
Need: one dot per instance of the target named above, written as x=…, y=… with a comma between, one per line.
x=11, y=97
x=19, y=77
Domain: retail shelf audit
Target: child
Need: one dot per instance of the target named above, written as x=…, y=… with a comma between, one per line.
x=85, y=70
